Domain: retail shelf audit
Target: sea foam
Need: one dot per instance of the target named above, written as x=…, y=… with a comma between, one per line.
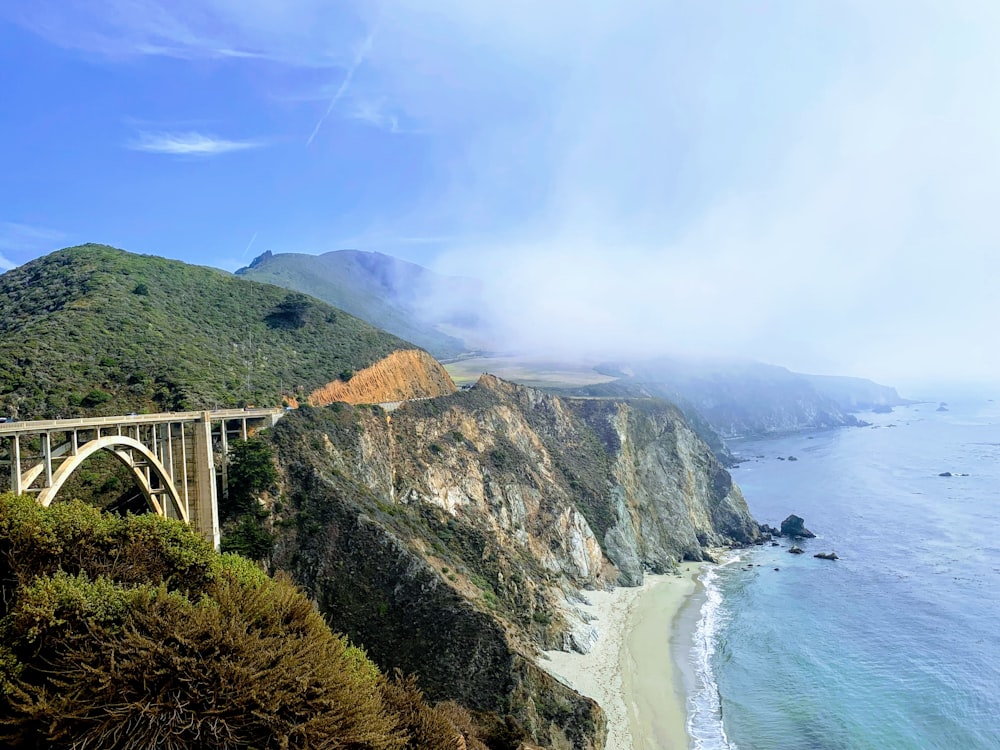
x=704, y=722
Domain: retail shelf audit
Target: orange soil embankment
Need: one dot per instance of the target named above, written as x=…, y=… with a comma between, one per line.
x=401, y=376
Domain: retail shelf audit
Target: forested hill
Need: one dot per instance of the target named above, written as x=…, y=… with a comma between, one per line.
x=93, y=329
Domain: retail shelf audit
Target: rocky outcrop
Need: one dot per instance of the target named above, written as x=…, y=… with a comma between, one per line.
x=403, y=375
x=794, y=526
x=670, y=496
x=451, y=536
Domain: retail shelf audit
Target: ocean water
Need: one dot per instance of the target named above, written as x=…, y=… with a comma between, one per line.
x=895, y=645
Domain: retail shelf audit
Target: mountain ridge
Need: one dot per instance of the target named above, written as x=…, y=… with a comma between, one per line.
x=403, y=298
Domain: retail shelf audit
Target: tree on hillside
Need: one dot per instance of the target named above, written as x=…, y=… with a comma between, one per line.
x=290, y=312
x=251, y=472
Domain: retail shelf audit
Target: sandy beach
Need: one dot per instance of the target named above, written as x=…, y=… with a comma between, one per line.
x=630, y=671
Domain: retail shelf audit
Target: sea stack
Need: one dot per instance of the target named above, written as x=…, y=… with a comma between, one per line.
x=794, y=526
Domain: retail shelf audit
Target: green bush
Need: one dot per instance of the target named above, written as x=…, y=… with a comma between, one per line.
x=77, y=538
x=131, y=633
x=446, y=726
x=94, y=398
x=248, y=537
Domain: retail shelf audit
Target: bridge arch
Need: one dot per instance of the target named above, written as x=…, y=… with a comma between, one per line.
x=124, y=449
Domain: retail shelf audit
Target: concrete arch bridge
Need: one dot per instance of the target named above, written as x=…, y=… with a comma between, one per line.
x=171, y=455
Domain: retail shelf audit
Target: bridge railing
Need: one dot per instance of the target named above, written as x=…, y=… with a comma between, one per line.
x=82, y=423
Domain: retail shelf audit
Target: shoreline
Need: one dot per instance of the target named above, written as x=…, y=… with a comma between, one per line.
x=633, y=669
x=653, y=683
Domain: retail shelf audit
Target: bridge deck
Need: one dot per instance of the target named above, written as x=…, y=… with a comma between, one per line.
x=84, y=423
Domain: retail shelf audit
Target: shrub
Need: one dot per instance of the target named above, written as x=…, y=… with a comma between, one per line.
x=131, y=633
x=249, y=537
x=78, y=538
x=94, y=398
x=244, y=666
x=291, y=312
x=443, y=727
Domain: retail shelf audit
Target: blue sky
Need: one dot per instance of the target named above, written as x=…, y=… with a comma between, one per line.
x=810, y=183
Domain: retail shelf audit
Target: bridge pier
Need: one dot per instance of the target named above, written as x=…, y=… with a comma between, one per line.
x=15, y=466
x=204, y=511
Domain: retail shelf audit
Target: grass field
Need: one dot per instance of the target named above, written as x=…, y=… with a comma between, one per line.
x=531, y=371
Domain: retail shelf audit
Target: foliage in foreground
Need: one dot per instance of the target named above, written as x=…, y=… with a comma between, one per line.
x=132, y=633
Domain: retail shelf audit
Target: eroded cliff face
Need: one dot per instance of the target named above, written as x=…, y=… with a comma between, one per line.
x=452, y=537
x=403, y=375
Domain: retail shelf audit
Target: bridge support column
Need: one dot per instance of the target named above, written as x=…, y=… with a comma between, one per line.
x=15, y=465
x=47, y=453
x=205, y=508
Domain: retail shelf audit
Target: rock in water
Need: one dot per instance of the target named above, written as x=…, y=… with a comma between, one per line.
x=826, y=555
x=794, y=526
x=795, y=550
x=945, y=474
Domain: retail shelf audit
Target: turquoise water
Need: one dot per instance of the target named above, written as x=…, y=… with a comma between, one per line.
x=895, y=645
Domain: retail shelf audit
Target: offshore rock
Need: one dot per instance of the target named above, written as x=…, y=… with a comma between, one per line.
x=794, y=526
x=795, y=550
x=826, y=555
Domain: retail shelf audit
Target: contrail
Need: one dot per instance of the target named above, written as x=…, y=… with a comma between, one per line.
x=359, y=58
x=252, y=240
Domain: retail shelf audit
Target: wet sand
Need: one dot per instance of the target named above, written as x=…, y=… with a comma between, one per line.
x=630, y=671
x=653, y=685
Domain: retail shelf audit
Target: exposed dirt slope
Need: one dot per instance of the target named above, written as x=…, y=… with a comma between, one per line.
x=403, y=375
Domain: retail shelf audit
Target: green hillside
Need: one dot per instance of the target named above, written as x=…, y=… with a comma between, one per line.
x=93, y=330
x=387, y=292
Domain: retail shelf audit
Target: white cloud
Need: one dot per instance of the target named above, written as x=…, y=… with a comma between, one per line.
x=189, y=144
x=309, y=33
x=27, y=241
x=374, y=113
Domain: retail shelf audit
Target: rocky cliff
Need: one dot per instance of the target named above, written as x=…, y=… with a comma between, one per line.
x=452, y=536
x=856, y=394
x=403, y=375
x=740, y=398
